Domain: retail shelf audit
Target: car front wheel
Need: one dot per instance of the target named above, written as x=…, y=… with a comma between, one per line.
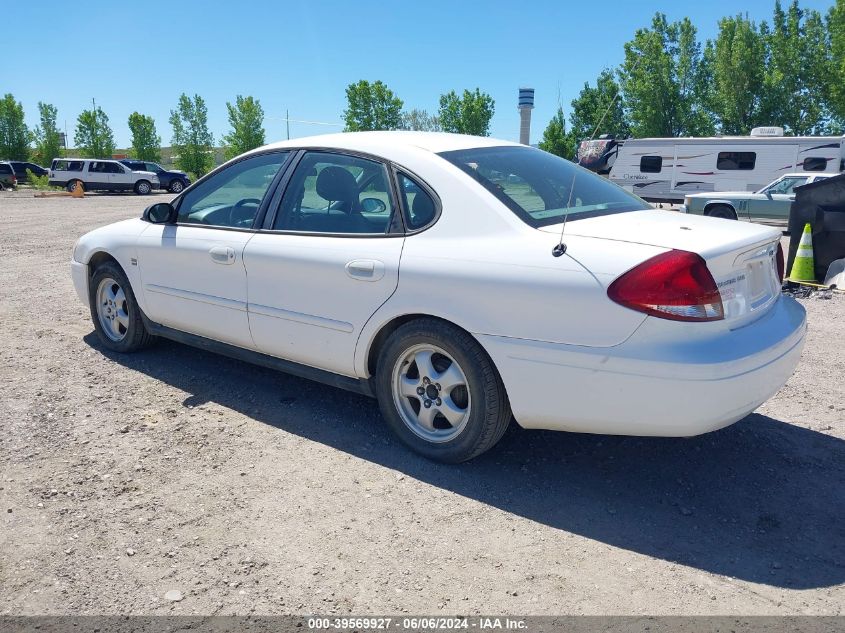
x=440, y=392
x=142, y=187
x=115, y=311
x=176, y=186
x=722, y=211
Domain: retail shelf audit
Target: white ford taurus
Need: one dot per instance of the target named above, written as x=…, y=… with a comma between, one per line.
x=436, y=272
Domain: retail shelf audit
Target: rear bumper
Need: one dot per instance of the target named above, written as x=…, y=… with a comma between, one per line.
x=79, y=274
x=648, y=386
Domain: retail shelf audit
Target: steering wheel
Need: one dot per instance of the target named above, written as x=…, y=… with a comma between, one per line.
x=233, y=219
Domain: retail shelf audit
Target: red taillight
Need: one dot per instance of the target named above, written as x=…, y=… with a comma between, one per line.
x=675, y=285
x=780, y=263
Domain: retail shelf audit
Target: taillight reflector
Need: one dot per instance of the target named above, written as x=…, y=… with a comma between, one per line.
x=674, y=285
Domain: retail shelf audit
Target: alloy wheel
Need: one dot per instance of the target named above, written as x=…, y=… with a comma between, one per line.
x=112, y=309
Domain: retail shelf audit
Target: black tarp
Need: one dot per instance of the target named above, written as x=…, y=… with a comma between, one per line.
x=822, y=204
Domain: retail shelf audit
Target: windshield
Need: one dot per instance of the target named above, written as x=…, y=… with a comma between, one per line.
x=785, y=185
x=542, y=188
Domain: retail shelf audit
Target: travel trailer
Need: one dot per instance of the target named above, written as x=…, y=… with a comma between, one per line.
x=667, y=169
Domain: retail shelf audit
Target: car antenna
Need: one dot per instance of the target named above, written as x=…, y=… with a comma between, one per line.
x=560, y=249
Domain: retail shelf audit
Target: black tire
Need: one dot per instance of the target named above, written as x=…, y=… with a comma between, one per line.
x=143, y=187
x=721, y=211
x=488, y=416
x=73, y=184
x=176, y=186
x=136, y=336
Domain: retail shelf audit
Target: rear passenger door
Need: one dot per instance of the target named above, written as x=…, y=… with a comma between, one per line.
x=327, y=259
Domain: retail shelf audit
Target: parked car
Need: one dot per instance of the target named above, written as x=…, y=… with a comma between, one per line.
x=8, y=180
x=100, y=175
x=20, y=168
x=626, y=320
x=771, y=203
x=172, y=180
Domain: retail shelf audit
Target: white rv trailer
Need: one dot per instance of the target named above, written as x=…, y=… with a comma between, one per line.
x=667, y=169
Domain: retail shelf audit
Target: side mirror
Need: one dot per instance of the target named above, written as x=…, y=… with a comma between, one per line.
x=160, y=213
x=373, y=205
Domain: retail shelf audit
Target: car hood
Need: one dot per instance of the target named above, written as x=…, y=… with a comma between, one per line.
x=733, y=195
x=669, y=229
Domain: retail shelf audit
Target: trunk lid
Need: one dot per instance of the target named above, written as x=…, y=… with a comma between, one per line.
x=740, y=256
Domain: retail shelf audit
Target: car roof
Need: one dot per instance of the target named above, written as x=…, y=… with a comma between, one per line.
x=383, y=142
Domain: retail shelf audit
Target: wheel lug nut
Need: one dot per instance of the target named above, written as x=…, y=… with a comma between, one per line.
x=420, y=391
x=439, y=402
x=438, y=386
x=427, y=404
x=426, y=380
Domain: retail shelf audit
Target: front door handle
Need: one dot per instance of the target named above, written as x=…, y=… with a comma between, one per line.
x=222, y=255
x=365, y=269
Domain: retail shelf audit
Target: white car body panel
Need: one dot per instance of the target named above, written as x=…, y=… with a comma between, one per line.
x=570, y=358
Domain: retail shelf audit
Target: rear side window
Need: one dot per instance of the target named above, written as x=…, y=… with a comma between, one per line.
x=420, y=208
x=68, y=165
x=651, y=164
x=815, y=163
x=736, y=160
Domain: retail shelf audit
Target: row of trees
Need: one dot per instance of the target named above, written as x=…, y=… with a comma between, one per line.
x=788, y=72
x=374, y=106
x=193, y=143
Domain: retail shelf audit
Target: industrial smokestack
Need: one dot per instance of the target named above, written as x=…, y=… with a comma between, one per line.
x=526, y=104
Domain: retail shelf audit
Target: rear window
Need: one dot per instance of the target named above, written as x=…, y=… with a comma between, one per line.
x=736, y=160
x=5, y=168
x=541, y=188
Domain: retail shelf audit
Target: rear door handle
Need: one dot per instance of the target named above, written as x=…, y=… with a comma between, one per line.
x=222, y=255
x=365, y=269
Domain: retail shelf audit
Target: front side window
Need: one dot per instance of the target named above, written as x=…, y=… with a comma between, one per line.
x=651, y=164
x=815, y=163
x=736, y=160
x=230, y=198
x=113, y=168
x=541, y=188
x=420, y=208
x=786, y=185
x=336, y=193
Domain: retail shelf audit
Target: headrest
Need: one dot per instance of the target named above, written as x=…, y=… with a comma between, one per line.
x=336, y=184
x=422, y=209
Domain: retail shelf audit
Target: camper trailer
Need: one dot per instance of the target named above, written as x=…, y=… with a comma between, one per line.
x=667, y=169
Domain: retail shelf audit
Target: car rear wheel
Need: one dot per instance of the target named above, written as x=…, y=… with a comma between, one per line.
x=142, y=187
x=176, y=186
x=440, y=392
x=115, y=311
x=73, y=184
x=721, y=211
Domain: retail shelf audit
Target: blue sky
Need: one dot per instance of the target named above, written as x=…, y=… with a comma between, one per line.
x=300, y=55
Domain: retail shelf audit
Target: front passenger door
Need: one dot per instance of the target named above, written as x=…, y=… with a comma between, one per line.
x=193, y=272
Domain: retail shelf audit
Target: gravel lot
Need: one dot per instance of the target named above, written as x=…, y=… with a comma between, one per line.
x=249, y=491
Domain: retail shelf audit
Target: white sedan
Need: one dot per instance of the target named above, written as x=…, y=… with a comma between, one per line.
x=462, y=281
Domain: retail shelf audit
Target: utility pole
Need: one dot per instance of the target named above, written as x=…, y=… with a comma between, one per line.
x=287, y=121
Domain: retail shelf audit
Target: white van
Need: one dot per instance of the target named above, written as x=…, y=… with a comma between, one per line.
x=100, y=175
x=667, y=169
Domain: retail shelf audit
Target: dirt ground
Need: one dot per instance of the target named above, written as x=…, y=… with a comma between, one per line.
x=249, y=491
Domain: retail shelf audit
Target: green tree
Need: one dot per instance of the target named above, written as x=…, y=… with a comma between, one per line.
x=14, y=135
x=602, y=105
x=93, y=136
x=247, y=120
x=48, y=140
x=192, y=142
x=796, y=70
x=419, y=120
x=555, y=138
x=467, y=114
x=665, y=81
x=739, y=58
x=146, y=143
x=836, y=86
x=371, y=106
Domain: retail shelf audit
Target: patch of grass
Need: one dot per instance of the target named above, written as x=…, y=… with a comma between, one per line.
x=42, y=183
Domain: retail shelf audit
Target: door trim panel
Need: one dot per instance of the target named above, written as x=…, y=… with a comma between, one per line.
x=197, y=296
x=299, y=317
